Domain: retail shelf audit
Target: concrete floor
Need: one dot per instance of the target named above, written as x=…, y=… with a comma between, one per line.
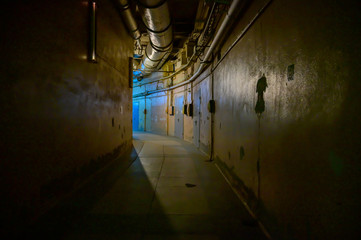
x=169, y=192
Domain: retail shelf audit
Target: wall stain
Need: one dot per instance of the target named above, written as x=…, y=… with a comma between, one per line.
x=241, y=153
x=259, y=109
x=261, y=88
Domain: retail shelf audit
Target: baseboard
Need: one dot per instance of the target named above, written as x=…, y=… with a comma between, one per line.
x=244, y=194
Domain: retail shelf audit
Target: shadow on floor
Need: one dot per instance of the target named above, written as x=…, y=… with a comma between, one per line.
x=168, y=192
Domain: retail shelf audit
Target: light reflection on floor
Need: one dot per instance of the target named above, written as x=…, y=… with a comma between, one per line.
x=169, y=192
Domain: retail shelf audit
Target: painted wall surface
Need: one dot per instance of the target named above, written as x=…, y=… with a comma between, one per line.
x=307, y=140
x=60, y=114
x=298, y=66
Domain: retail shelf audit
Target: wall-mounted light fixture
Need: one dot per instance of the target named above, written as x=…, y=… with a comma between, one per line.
x=92, y=31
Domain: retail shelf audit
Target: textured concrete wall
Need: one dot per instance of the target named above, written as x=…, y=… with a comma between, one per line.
x=62, y=116
x=306, y=140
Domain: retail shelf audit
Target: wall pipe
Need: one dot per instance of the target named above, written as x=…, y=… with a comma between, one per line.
x=191, y=60
x=129, y=20
x=156, y=18
x=240, y=36
x=220, y=33
x=173, y=74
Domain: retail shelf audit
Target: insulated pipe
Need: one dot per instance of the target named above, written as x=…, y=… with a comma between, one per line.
x=156, y=18
x=191, y=60
x=220, y=33
x=129, y=20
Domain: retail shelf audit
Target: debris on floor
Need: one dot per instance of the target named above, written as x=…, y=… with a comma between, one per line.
x=189, y=185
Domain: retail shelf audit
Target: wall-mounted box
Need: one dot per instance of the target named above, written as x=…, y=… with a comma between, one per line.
x=171, y=110
x=185, y=112
x=190, y=109
x=211, y=106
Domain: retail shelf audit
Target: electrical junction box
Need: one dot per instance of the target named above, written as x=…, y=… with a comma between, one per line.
x=185, y=112
x=171, y=110
x=190, y=109
x=211, y=106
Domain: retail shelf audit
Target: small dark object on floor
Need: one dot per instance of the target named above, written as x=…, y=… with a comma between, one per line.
x=190, y=185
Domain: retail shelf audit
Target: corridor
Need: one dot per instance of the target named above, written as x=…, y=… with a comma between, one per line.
x=170, y=191
x=180, y=119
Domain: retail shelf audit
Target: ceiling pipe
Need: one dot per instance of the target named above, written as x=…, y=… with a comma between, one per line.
x=156, y=18
x=233, y=9
x=129, y=20
x=192, y=59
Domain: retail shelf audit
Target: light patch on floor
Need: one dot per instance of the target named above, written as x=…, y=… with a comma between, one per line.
x=169, y=192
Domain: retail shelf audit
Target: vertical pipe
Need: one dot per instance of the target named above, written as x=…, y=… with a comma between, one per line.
x=129, y=20
x=92, y=31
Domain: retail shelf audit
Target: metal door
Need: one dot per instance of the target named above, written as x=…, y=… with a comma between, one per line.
x=135, y=116
x=196, y=117
x=178, y=125
x=148, y=115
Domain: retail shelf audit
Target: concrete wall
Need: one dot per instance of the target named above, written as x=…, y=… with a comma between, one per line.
x=62, y=116
x=306, y=140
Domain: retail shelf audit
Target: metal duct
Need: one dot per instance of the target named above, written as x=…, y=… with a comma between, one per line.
x=222, y=29
x=156, y=18
x=129, y=19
